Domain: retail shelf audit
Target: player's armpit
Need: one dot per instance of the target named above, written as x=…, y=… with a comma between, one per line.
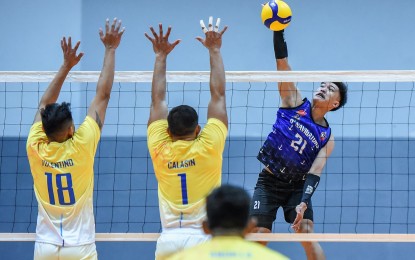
x=38, y=117
x=98, y=120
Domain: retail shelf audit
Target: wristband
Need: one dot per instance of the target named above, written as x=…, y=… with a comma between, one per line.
x=310, y=186
x=280, y=46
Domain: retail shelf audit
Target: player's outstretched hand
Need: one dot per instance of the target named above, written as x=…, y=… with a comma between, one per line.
x=213, y=38
x=112, y=37
x=300, y=209
x=70, y=58
x=161, y=44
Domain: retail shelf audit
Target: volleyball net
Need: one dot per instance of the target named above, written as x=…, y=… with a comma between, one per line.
x=367, y=189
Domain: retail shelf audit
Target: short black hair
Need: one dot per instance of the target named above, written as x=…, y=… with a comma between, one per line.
x=56, y=117
x=182, y=120
x=343, y=94
x=227, y=207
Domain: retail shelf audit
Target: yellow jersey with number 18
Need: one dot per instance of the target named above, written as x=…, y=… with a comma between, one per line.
x=186, y=171
x=63, y=175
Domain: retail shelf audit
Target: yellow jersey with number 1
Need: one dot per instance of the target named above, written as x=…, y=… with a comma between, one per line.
x=63, y=175
x=186, y=171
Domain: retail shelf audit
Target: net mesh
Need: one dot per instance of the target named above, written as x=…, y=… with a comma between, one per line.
x=367, y=186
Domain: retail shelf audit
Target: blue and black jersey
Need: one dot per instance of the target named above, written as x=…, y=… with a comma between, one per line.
x=294, y=142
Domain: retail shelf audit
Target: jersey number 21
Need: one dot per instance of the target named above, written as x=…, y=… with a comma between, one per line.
x=299, y=142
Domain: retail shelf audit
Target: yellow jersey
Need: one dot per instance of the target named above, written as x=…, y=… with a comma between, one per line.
x=228, y=247
x=186, y=171
x=63, y=175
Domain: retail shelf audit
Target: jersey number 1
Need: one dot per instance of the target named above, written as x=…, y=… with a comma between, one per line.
x=60, y=188
x=184, y=188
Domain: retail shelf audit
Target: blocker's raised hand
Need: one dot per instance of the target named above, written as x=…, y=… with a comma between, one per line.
x=112, y=37
x=70, y=58
x=161, y=44
x=213, y=38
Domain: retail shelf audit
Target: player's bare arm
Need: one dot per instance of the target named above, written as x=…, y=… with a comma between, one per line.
x=161, y=47
x=290, y=95
x=70, y=59
x=316, y=170
x=213, y=42
x=323, y=155
x=111, y=39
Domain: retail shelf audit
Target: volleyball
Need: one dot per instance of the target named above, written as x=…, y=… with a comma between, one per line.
x=276, y=15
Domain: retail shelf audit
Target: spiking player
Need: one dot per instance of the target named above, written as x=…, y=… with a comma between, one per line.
x=187, y=161
x=294, y=154
x=62, y=159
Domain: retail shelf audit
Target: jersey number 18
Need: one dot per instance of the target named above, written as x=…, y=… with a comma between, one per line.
x=60, y=188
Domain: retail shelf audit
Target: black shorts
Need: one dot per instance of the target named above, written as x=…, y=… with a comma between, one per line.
x=271, y=193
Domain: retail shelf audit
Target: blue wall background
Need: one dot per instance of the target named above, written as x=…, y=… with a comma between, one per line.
x=323, y=35
x=371, y=180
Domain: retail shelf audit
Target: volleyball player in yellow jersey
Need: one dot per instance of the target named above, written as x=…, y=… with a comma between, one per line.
x=187, y=160
x=228, y=222
x=62, y=159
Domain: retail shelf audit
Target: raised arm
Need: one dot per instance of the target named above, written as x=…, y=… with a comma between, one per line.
x=111, y=40
x=70, y=59
x=290, y=95
x=213, y=42
x=161, y=47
